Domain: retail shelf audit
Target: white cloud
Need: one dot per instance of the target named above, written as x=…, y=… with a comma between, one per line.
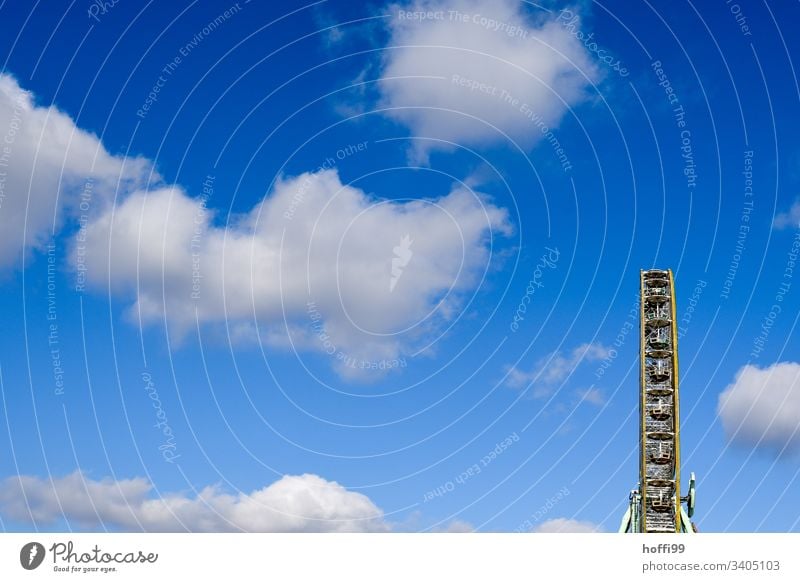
x=761, y=408
x=564, y=525
x=517, y=378
x=555, y=368
x=788, y=219
x=316, y=257
x=456, y=526
x=592, y=396
x=45, y=162
x=497, y=43
x=315, y=262
x=305, y=503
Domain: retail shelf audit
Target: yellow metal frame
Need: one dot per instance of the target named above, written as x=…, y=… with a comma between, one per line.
x=676, y=427
x=675, y=404
x=642, y=405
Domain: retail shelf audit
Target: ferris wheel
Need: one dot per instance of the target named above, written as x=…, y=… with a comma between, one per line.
x=657, y=506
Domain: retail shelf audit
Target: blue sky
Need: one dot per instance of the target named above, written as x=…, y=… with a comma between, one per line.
x=283, y=249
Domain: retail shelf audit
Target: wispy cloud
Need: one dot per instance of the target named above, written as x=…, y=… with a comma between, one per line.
x=564, y=525
x=788, y=219
x=592, y=396
x=555, y=368
x=456, y=526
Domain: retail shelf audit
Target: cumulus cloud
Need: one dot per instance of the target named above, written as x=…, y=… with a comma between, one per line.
x=788, y=219
x=316, y=264
x=555, y=368
x=761, y=408
x=564, y=525
x=304, y=503
x=46, y=164
x=336, y=269
x=497, y=65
